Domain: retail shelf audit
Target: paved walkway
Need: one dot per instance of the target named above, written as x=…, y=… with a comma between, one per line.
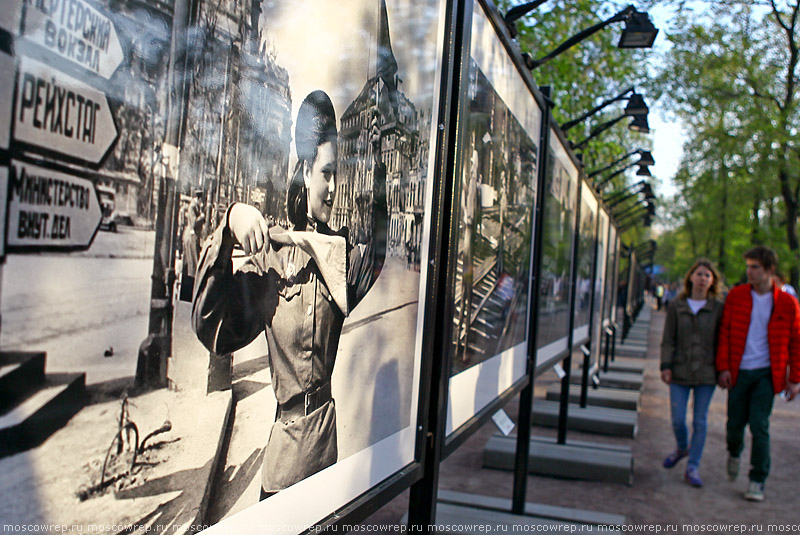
x=657, y=496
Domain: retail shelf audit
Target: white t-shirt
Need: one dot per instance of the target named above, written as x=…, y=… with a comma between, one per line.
x=756, y=349
x=696, y=304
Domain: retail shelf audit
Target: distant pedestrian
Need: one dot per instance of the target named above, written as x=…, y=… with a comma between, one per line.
x=688, y=350
x=670, y=293
x=191, y=239
x=758, y=357
x=193, y=234
x=659, y=296
x=780, y=280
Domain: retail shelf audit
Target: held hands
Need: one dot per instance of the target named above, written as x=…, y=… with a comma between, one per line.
x=248, y=228
x=666, y=376
x=724, y=379
x=792, y=390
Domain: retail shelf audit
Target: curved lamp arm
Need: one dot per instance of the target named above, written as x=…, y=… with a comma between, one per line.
x=578, y=37
x=517, y=12
x=612, y=164
x=569, y=124
x=599, y=130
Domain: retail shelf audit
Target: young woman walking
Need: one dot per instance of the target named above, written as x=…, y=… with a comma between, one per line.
x=688, y=351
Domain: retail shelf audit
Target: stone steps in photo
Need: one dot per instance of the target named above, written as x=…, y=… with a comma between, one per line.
x=21, y=374
x=41, y=414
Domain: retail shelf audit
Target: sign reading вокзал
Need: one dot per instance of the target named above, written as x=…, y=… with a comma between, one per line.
x=49, y=209
x=56, y=112
x=76, y=31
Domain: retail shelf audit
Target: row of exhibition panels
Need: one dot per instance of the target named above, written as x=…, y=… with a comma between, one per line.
x=509, y=264
x=578, y=275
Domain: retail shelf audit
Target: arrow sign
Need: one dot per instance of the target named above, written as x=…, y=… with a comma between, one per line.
x=58, y=113
x=76, y=31
x=50, y=210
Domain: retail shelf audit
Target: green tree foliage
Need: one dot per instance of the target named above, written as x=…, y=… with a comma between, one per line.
x=586, y=75
x=731, y=75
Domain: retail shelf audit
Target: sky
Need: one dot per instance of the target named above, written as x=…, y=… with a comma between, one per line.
x=667, y=134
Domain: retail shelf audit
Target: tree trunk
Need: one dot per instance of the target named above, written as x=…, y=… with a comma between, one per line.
x=790, y=200
x=721, y=263
x=755, y=228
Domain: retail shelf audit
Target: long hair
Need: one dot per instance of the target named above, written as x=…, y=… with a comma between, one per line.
x=715, y=290
x=316, y=124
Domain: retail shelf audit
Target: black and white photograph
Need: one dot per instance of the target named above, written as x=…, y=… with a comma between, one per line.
x=601, y=285
x=212, y=302
x=494, y=245
x=561, y=187
x=494, y=203
x=587, y=249
x=610, y=312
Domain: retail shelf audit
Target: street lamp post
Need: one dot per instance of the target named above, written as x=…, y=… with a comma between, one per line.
x=151, y=365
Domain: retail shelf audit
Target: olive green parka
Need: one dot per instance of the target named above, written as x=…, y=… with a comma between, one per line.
x=689, y=344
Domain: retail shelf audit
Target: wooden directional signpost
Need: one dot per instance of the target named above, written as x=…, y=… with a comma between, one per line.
x=50, y=210
x=56, y=113
x=75, y=31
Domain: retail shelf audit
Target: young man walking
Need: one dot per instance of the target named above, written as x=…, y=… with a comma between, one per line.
x=758, y=356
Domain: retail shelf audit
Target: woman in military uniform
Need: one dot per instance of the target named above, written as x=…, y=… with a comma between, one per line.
x=297, y=286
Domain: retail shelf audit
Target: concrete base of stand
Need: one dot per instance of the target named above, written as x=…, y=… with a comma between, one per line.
x=627, y=381
x=599, y=397
x=544, y=512
x=631, y=353
x=626, y=365
x=634, y=342
x=573, y=460
x=596, y=420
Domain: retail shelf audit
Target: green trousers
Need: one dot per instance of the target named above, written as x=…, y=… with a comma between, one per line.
x=750, y=402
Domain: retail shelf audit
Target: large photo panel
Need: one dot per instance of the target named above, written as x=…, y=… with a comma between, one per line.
x=600, y=285
x=495, y=199
x=587, y=250
x=610, y=309
x=560, y=198
x=229, y=204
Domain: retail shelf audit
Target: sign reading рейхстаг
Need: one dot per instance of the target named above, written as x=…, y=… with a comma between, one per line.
x=55, y=112
x=50, y=210
x=76, y=31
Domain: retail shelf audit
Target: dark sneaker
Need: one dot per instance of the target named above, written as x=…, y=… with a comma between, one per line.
x=755, y=492
x=673, y=458
x=733, y=467
x=692, y=477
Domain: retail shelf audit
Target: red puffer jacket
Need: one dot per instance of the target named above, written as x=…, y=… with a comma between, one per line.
x=783, y=335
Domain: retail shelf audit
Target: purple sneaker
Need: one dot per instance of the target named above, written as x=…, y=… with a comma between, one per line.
x=692, y=477
x=673, y=458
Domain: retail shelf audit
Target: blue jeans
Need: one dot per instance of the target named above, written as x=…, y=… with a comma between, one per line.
x=679, y=399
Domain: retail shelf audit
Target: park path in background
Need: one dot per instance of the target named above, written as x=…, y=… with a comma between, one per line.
x=657, y=496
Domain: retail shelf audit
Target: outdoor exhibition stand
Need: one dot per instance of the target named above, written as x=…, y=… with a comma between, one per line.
x=499, y=259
